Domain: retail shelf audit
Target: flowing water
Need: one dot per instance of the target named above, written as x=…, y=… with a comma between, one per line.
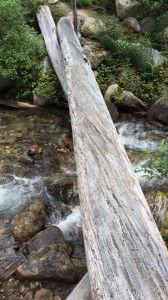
x=25, y=177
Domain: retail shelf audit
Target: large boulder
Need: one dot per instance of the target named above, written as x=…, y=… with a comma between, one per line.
x=49, y=263
x=159, y=111
x=128, y=8
x=52, y=235
x=130, y=103
x=29, y=221
x=91, y=27
x=147, y=25
x=94, y=53
x=129, y=25
x=113, y=88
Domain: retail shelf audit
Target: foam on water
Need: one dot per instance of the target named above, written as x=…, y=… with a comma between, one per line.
x=133, y=136
x=72, y=224
x=17, y=192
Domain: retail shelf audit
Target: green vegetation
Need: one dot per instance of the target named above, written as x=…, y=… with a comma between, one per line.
x=49, y=86
x=21, y=47
x=158, y=164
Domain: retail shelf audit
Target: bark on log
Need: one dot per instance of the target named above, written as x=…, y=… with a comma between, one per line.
x=17, y=104
x=49, y=32
x=82, y=290
x=126, y=256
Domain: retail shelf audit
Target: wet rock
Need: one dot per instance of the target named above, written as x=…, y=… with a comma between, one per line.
x=52, y=235
x=129, y=25
x=159, y=111
x=9, y=262
x=128, y=8
x=91, y=27
x=80, y=267
x=29, y=221
x=65, y=141
x=50, y=263
x=43, y=294
x=130, y=103
x=158, y=203
x=32, y=151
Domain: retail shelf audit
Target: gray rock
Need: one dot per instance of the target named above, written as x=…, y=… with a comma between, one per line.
x=50, y=263
x=111, y=106
x=153, y=56
x=110, y=91
x=146, y=25
x=43, y=294
x=91, y=27
x=50, y=236
x=9, y=262
x=94, y=53
x=128, y=8
x=29, y=221
x=159, y=111
x=130, y=103
x=129, y=25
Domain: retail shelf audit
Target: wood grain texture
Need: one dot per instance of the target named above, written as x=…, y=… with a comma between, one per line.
x=126, y=256
x=49, y=32
x=82, y=290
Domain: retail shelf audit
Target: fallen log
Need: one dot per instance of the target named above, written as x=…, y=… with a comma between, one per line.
x=82, y=290
x=49, y=32
x=126, y=256
x=16, y=104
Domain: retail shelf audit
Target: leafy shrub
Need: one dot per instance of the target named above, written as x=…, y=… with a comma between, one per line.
x=159, y=163
x=49, y=86
x=21, y=49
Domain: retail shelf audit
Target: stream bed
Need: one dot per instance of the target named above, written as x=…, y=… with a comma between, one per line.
x=36, y=161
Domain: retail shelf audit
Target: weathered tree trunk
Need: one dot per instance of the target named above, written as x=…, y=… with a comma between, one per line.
x=126, y=256
x=82, y=290
x=49, y=32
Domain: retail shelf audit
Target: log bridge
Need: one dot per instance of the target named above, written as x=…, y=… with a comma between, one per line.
x=126, y=256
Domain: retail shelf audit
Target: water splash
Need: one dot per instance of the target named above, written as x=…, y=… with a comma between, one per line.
x=17, y=192
x=71, y=225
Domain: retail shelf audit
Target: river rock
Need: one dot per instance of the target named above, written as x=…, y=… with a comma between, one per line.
x=50, y=263
x=159, y=111
x=128, y=8
x=110, y=91
x=29, y=221
x=9, y=262
x=130, y=103
x=129, y=25
x=43, y=294
x=91, y=27
x=50, y=236
x=80, y=266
